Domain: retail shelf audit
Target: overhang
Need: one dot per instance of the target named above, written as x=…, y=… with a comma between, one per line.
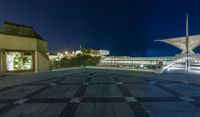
x=179, y=42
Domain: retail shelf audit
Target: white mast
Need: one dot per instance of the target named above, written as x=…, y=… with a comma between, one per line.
x=187, y=43
x=80, y=46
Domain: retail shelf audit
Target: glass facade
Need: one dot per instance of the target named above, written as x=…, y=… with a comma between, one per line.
x=137, y=62
x=19, y=61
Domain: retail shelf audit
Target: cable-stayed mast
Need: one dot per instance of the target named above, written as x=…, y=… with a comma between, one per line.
x=187, y=43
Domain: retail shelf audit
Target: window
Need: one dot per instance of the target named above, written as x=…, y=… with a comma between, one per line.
x=19, y=61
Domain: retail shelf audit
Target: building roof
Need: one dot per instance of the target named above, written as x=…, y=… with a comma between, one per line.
x=179, y=42
x=10, y=28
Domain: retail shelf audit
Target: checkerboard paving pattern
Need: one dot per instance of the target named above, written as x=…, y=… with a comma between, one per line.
x=91, y=93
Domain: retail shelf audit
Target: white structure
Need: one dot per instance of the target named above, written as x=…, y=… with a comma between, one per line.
x=135, y=61
x=78, y=52
x=187, y=44
x=104, y=52
x=194, y=42
x=187, y=60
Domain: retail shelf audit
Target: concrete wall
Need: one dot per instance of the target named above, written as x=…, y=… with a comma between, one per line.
x=42, y=46
x=43, y=63
x=17, y=43
x=1, y=66
x=43, y=60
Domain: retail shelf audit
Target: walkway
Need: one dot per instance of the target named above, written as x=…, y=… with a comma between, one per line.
x=101, y=93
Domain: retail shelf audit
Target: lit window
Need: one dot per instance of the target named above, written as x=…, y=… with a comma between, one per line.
x=18, y=61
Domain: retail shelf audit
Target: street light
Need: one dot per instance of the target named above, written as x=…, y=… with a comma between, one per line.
x=141, y=65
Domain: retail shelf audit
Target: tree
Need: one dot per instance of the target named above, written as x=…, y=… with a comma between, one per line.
x=85, y=51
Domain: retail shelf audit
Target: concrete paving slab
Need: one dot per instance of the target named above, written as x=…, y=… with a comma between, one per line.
x=86, y=108
x=174, y=114
x=169, y=107
x=2, y=105
x=146, y=90
x=19, y=92
x=100, y=93
x=130, y=79
x=74, y=79
x=108, y=79
x=104, y=110
x=130, y=99
x=36, y=110
x=75, y=100
x=83, y=115
x=158, y=80
x=186, y=99
x=58, y=91
x=48, y=81
x=103, y=90
x=184, y=89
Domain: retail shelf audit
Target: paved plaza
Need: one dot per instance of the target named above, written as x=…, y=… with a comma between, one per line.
x=101, y=93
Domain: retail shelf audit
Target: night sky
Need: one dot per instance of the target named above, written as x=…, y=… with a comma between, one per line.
x=125, y=27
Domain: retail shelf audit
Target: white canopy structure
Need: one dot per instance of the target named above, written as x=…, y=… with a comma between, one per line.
x=193, y=43
x=187, y=44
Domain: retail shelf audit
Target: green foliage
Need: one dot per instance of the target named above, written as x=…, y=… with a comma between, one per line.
x=85, y=51
x=55, y=65
x=76, y=61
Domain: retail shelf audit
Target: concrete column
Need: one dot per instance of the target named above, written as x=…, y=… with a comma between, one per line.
x=36, y=61
x=187, y=65
x=1, y=63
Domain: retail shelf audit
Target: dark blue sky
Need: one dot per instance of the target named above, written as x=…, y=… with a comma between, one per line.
x=125, y=27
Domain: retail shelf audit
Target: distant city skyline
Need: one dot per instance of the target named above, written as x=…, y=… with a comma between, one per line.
x=123, y=27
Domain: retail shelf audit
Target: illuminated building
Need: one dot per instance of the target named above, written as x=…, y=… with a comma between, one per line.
x=104, y=52
x=22, y=49
x=136, y=62
x=187, y=60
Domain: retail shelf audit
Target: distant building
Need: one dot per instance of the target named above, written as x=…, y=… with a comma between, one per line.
x=78, y=52
x=94, y=52
x=104, y=52
x=22, y=50
x=58, y=56
x=136, y=62
x=54, y=57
